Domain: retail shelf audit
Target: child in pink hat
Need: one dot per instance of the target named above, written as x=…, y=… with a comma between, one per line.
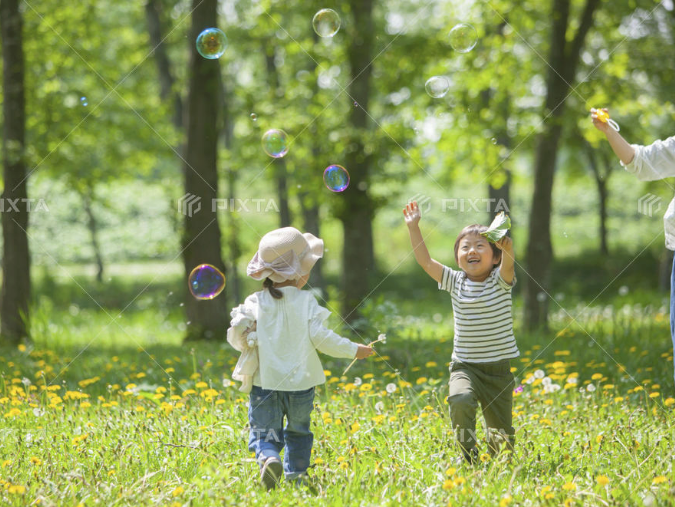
x=279, y=330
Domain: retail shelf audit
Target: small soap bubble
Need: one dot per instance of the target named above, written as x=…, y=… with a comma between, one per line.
x=326, y=23
x=494, y=140
x=463, y=37
x=541, y=297
x=206, y=282
x=356, y=104
x=623, y=290
x=84, y=101
x=336, y=178
x=254, y=116
x=437, y=86
x=211, y=43
x=275, y=143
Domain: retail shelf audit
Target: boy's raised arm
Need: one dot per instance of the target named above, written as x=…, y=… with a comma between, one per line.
x=506, y=268
x=412, y=219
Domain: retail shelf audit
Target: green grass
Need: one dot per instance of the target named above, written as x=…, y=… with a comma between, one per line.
x=115, y=436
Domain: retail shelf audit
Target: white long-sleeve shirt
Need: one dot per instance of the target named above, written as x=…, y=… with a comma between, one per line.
x=655, y=162
x=290, y=331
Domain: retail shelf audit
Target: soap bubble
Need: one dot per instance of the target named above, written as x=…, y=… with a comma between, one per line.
x=254, y=116
x=336, y=178
x=326, y=23
x=206, y=281
x=275, y=143
x=211, y=43
x=437, y=86
x=83, y=101
x=463, y=37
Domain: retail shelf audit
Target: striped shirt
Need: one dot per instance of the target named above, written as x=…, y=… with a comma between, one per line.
x=482, y=315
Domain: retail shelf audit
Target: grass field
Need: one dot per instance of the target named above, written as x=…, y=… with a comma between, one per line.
x=102, y=410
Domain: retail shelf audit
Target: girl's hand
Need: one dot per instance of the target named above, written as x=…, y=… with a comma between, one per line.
x=602, y=126
x=364, y=351
x=505, y=244
x=412, y=214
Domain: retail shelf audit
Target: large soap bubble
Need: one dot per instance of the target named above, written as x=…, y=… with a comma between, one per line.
x=211, y=43
x=326, y=23
x=437, y=86
x=463, y=37
x=275, y=143
x=206, y=281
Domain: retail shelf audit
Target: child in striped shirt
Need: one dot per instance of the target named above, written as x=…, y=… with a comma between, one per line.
x=480, y=371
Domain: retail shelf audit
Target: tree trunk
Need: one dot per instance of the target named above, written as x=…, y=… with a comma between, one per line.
x=278, y=164
x=357, y=209
x=310, y=216
x=14, y=306
x=601, y=185
x=201, y=240
x=92, y=225
x=166, y=80
x=563, y=59
x=233, y=247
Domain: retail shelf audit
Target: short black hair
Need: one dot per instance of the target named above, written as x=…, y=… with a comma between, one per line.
x=476, y=229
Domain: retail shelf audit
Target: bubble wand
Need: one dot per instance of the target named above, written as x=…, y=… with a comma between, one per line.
x=603, y=116
x=380, y=338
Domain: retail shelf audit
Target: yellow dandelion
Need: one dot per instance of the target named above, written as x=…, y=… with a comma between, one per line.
x=355, y=427
x=450, y=471
x=596, y=376
x=421, y=380
x=485, y=457
x=602, y=480
x=448, y=485
x=505, y=501
x=15, y=489
x=669, y=401
x=569, y=486
x=659, y=479
x=179, y=490
x=344, y=465
x=36, y=461
x=654, y=395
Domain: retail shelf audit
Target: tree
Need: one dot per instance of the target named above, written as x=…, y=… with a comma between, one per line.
x=16, y=256
x=201, y=237
x=563, y=59
x=357, y=210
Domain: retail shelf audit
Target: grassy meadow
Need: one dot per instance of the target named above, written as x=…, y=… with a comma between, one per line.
x=108, y=408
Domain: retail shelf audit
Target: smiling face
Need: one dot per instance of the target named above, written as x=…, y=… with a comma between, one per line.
x=475, y=256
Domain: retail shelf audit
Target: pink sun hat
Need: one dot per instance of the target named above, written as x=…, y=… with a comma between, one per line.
x=285, y=254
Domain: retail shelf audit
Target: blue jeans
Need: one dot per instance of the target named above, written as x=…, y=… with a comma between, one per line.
x=672, y=312
x=268, y=435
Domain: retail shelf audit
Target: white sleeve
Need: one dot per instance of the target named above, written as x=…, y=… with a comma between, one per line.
x=653, y=162
x=326, y=340
x=447, y=279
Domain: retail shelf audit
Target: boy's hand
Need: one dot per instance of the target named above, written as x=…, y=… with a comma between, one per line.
x=602, y=126
x=412, y=214
x=364, y=351
x=505, y=244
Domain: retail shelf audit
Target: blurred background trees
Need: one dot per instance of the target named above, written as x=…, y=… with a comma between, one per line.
x=123, y=118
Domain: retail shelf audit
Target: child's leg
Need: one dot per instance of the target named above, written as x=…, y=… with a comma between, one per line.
x=463, y=405
x=672, y=311
x=298, y=406
x=496, y=397
x=265, y=416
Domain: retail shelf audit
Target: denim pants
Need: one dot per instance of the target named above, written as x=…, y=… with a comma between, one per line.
x=491, y=385
x=672, y=312
x=268, y=435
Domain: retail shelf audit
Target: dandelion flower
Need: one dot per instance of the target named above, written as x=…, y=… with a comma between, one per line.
x=659, y=479
x=602, y=480
x=569, y=486
x=391, y=388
